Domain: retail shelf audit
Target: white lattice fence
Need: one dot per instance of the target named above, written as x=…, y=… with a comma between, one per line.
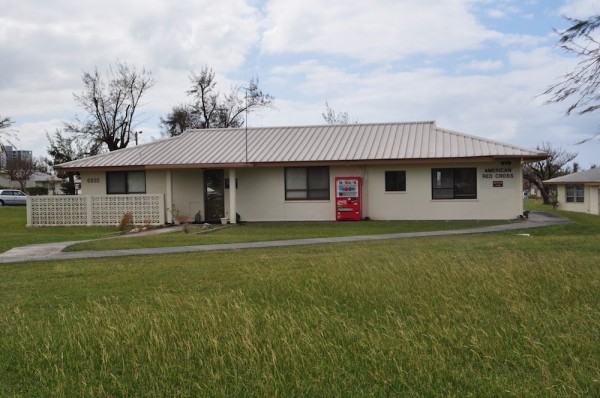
x=146, y=209
x=94, y=210
x=57, y=210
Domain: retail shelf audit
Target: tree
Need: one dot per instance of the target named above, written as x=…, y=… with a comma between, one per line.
x=180, y=119
x=331, y=117
x=4, y=124
x=64, y=147
x=553, y=166
x=582, y=84
x=212, y=109
x=111, y=102
x=20, y=170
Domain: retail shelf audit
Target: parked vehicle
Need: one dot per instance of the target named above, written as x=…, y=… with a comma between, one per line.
x=12, y=197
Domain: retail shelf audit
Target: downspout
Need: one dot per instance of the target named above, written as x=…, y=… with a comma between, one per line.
x=232, y=197
x=169, y=197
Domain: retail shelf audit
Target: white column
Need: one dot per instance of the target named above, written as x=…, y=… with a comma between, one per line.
x=169, y=197
x=29, y=210
x=232, y=197
x=519, y=183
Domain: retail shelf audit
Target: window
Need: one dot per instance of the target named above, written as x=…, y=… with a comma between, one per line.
x=575, y=194
x=459, y=183
x=124, y=182
x=395, y=181
x=307, y=183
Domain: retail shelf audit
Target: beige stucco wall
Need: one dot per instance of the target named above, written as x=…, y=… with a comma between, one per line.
x=416, y=203
x=261, y=197
x=187, y=188
x=188, y=197
x=590, y=203
x=93, y=183
x=261, y=194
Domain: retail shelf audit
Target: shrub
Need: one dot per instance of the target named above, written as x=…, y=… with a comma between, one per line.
x=126, y=222
x=36, y=191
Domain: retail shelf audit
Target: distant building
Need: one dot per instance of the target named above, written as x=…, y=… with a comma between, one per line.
x=37, y=179
x=11, y=154
x=579, y=191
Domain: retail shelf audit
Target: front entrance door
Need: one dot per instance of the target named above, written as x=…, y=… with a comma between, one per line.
x=214, y=197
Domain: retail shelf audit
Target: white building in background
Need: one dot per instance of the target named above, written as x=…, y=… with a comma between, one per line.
x=407, y=171
x=11, y=153
x=578, y=192
x=37, y=179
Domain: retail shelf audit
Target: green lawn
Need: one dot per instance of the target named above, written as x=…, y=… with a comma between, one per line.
x=483, y=315
x=14, y=232
x=254, y=232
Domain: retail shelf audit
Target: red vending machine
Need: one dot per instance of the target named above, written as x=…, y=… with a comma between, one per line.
x=347, y=198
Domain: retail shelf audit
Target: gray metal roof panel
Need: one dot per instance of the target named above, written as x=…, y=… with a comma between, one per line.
x=591, y=176
x=352, y=142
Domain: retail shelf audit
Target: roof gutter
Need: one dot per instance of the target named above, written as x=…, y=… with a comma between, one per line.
x=363, y=162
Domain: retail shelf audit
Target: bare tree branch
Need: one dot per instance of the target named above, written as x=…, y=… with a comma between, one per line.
x=20, y=170
x=5, y=135
x=582, y=84
x=212, y=109
x=331, y=117
x=553, y=166
x=111, y=102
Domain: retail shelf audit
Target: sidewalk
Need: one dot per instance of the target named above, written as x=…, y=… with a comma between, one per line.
x=53, y=251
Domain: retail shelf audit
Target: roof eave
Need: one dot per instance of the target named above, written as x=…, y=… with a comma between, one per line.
x=586, y=183
x=342, y=162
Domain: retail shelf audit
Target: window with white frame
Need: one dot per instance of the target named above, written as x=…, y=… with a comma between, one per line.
x=575, y=194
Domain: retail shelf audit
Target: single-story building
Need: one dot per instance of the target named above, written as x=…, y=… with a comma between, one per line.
x=578, y=192
x=37, y=179
x=403, y=171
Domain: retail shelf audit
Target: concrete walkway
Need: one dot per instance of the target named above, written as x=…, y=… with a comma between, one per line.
x=53, y=251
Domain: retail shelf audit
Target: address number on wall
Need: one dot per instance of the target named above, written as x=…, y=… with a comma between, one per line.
x=93, y=180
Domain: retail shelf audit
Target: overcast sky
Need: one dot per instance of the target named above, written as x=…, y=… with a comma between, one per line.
x=474, y=66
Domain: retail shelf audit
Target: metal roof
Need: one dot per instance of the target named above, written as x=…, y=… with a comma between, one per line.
x=591, y=176
x=261, y=146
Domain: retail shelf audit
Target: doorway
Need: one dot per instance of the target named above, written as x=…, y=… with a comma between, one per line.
x=214, y=195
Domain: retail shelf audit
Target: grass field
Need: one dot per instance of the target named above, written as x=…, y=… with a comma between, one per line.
x=255, y=232
x=482, y=315
x=13, y=220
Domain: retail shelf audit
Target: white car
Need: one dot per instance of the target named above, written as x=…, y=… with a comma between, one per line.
x=12, y=197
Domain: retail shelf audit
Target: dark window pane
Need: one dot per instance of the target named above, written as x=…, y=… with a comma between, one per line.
x=575, y=193
x=318, y=178
x=458, y=183
x=395, y=181
x=308, y=183
x=295, y=178
x=465, y=183
x=318, y=194
x=136, y=182
x=116, y=183
x=124, y=182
